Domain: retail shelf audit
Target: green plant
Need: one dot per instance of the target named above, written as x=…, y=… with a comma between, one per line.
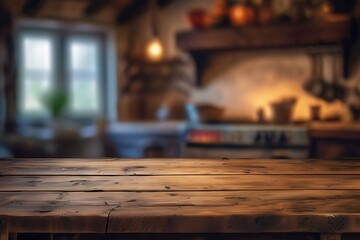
x=55, y=102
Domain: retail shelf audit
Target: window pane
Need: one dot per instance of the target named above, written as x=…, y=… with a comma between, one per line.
x=84, y=76
x=85, y=96
x=33, y=92
x=37, y=53
x=36, y=72
x=83, y=55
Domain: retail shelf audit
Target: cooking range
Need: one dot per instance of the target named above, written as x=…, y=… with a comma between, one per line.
x=246, y=141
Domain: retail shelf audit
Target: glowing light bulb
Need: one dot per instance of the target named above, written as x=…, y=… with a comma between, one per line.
x=155, y=50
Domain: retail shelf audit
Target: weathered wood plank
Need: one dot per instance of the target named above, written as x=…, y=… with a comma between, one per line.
x=180, y=196
x=279, y=211
x=351, y=236
x=117, y=167
x=297, y=202
x=13, y=236
x=182, y=220
x=53, y=213
x=333, y=236
x=209, y=236
x=180, y=183
x=333, y=30
x=4, y=236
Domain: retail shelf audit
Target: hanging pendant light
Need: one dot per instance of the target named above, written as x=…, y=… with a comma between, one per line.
x=154, y=48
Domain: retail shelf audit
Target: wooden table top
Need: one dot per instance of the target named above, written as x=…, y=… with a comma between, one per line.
x=179, y=196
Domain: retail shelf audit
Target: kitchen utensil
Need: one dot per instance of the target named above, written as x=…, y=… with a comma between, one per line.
x=241, y=14
x=320, y=86
x=210, y=113
x=329, y=92
x=198, y=18
x=261, y=115
x=265, y=13
x=323, y=10
x=283, y=110
x=218, y=15
x=316, y=85
x=340, y=90
x=308, y=86
x=204, y=113
x=298, y=11
x=192, y=113
x=315, y=112
x=355, y=111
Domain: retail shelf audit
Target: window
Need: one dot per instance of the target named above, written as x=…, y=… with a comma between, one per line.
x=36, y=72
x=67, y=60
x=84, y=75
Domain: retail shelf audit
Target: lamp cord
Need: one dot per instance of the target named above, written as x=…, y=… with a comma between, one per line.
x=153, y=22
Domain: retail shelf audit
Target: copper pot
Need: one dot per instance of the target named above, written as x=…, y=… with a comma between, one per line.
x=198, y=18
x=204, y=113
x=242, y=15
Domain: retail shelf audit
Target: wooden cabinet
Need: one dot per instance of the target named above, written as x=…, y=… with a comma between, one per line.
x=335, y=141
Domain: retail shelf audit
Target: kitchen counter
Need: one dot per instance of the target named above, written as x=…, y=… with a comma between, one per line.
x=248, y=199
x=334, y=140
x=166, y=127
x=335, y=130
x=146, y=139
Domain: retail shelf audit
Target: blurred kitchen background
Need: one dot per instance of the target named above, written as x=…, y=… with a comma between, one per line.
x=180, y=78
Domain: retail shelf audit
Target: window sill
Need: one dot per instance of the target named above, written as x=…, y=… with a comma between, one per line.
x=61, y=133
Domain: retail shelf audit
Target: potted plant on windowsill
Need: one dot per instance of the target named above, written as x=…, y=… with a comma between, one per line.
x=56, y=102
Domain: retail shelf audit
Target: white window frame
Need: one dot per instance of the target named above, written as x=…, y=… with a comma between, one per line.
x=64, y=31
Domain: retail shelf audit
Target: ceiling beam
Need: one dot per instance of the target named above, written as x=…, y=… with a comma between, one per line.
x=136, y=8
x=165, y=3
x=31, y=7
x=5, y=16
x=95, y=6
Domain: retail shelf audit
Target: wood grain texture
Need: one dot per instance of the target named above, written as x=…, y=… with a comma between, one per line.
x=180, y=196
x=307, y=211
x=333, y=30
x=4, y=236
x=330, y=236
x=179, y=183
x=157, y=167
x=211, y=236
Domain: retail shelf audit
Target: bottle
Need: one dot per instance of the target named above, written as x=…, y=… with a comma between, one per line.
x=282, y=9
x=218, y=14
x=265, y=13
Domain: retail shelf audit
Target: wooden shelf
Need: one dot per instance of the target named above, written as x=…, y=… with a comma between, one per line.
x=325, y=36
x=334, y=30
